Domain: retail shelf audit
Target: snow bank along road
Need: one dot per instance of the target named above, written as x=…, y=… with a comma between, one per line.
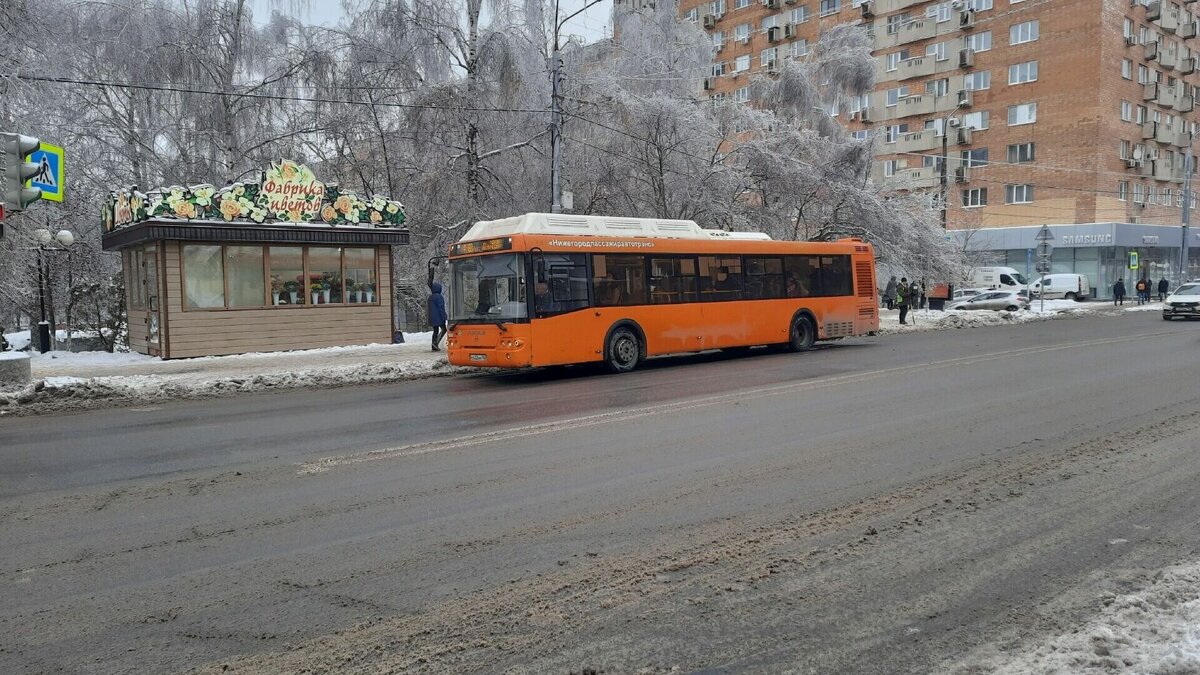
x=951, y=502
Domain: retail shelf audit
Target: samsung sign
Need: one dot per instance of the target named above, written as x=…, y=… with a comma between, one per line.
x=1086, y=239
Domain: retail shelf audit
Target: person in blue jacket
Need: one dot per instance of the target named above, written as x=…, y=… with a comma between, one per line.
x=437, y=314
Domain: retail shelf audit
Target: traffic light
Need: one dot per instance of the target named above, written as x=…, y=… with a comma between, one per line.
x=15, y=171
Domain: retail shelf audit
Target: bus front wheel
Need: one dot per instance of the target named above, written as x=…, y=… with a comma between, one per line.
x=624, y=350
x=803, y=335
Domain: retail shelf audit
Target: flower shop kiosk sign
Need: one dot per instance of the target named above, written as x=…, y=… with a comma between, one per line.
x=287, y=193
x=292, y=193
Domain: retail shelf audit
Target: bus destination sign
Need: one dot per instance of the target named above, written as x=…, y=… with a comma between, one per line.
x=485, y=246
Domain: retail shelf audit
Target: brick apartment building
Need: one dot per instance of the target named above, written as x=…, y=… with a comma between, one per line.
x=1062, y=112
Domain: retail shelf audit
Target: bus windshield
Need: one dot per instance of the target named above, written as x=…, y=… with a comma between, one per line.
x=487, y=289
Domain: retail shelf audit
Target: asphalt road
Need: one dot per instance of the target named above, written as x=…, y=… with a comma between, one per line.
x=893, y=504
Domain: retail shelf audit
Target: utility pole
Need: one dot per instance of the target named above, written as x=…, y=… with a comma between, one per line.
x=1187, y=212
x=556, y=110
x=945, y=159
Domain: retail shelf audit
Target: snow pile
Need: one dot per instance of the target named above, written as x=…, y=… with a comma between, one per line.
x=927, y=320
x=1156, y=630
x=60, y=393
x=17, y=341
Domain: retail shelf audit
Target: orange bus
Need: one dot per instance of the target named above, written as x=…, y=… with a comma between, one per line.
x=554, y=289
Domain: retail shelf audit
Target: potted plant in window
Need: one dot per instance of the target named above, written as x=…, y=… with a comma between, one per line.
x=326, y=286
x=370, y=291
x=276, y=289
x=316, y=292
x=350, y=296
x=292, y=288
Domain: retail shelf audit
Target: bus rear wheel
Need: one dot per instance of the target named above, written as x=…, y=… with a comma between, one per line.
x=802, y=335
x=624, y=351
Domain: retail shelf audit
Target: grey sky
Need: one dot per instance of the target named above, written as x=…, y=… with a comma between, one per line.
x=591, y=25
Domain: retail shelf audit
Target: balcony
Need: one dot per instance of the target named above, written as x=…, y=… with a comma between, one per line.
x=1162, y=15
x=1160, y=133
x=1160, y=93
x=915, y=179
x=1184, y=104
x=1169, y=58
x=881, y=7
x=922, y=66
x=916, y=29
x=918, y=141
x=916, y=105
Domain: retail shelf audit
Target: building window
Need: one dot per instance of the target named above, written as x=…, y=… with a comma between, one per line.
x=937, y=87
x=1152, y=194
x=1020, y=153
x=830, y=6
x=741, y=63
x=894, y=95
x=741, y=4
x=1123, y=190
x=1019, y=73
x=889, y=168
x=717, y=8
x=893, y=132
x=978, y=80
x=1126, y=111
x=768, y=57
x=860, y=135
x=799, y=14
x=244, y=272
x=1137, y=194
x=1023, y=32
x=937, y=50
x=1143, y=74
x=1127, y=69
x=979, y=42
x=1128, y=28
x=325, y=273
x=742, y=32
x=895, y=21
x=203, y=277
x=979, y=5
x=770, y=22
x=693, y=14
x=893, y=60
x=1023, y=113
x=1124, y=150
x=976, y=120
x=975, y=157
x=287, y=275
x=940, y=12
x=1018, y=194
x=974, y=197
x=1140, y=116
x=742, y=95
x=798, y=49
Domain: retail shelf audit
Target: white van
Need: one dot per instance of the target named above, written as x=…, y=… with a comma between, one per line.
x=999, y=278
x=1068, y=286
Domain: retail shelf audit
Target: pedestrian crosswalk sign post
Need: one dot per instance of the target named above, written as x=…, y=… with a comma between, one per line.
x=51, y=172
x=1133, y=260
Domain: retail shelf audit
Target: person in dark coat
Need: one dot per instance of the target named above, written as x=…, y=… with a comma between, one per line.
x=903, y=298
x=437, y=314
x=889, y=293
x=1163, y=287
x=1119, y=292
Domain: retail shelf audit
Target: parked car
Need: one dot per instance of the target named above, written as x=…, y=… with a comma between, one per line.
x=999, y=278
x=995, y=300
x=962, y=294
x=1066, y=286
x=1183, y=302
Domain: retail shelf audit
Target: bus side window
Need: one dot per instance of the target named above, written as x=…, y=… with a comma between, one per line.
x=720, y=278
x=764, y=278
x=672, y=280
x=619, y=280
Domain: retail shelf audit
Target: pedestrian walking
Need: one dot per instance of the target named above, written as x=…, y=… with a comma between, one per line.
x=437, y=314
x=889, y=293
x=3, y=340
x=1119, y=292
x=1163, y=287
x=922, y=305
x=903, y=297
x=1140, y=288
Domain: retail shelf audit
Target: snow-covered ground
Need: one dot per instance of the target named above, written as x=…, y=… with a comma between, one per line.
x=81, y=380
x=1153, y=630
x=927, y=320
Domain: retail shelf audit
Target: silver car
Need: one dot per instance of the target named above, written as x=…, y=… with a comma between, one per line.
x=995, y=300
x=1183, y=302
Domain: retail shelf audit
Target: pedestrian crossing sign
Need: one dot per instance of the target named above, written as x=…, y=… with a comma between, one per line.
x=1133, y=260
x=51, y=171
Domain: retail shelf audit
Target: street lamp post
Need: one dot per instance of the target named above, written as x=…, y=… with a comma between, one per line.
x=43, y=238
x=945, y=159
x=556, y=205
x=1187, y=211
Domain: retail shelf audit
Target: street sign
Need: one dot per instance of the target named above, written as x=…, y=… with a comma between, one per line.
x=51, y=171
x=1044, y=234
x=1043, y=249
x=1133, y=260
x=1043, y=267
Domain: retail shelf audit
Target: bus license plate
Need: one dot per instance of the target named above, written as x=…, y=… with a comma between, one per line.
x=479, y=357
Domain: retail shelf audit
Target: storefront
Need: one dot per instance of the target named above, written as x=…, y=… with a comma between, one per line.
x=1099, y=250
x=285, y=263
